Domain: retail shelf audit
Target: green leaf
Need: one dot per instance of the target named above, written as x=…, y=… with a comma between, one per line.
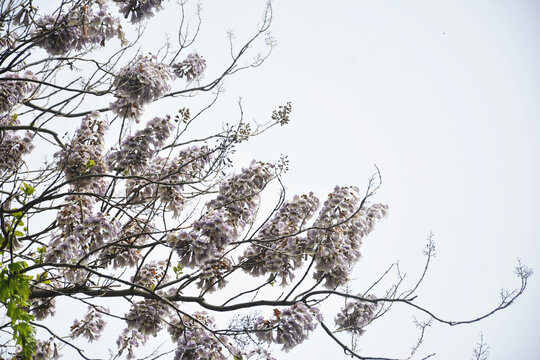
x=18, y=233
x=27, y=189
x=90, y=164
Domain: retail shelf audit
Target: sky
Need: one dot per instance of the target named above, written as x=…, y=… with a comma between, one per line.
x=442, y=96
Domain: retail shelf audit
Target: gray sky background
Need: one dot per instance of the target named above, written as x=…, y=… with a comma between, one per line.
x=443, y=97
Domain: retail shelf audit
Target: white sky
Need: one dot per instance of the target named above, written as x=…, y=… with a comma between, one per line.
x=443, y=98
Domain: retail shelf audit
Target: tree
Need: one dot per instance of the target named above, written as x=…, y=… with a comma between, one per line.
x=153, y=230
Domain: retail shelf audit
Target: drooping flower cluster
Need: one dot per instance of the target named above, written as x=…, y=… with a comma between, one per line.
x=147, y=316
x=278, y=250
x=164, y=179
x=129, y=339
x=194, y=340
x=213, y=273
x=227, y=215
x=339, y=230
x=139, y=83
x=80, y=230
x=91, y=327
x=45, y=350
x=151, y=274
x=191, y=68
x=124, y=252
x=355, y=315
x=288, y=327
x=139, y=149
x=12, y=92
x=12, y=146
x=77, y=29
x=84, y=156
x=43, y=308
x=138, y=10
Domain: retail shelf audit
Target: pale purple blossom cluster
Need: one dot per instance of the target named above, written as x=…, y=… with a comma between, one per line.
x=164, y=179
x=132, y=234
x=191, y=68
x=91, y=326
x=12, y=92
x=139, y=83
x=77, y=29
x=194, y=340
x=138, y=10
x=278, y=250
x=80, y=230
x=139, y=149
x=339, y=230
x=147, y=316
x=12, y=146
x=288, y=327
x=149, y=275
x=83, y=160
x=213, y=274
x=227, y=215
x=130, y=339
x=45, y=350
x=43, y=308
x=356, y=314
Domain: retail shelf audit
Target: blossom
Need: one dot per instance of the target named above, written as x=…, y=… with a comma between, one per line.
x=227, y=215
x=138, y=150
x=43, y=308
x=77, y=29
x=356, y=314
x=139, y=83
x=129, y=339
x=288, y=327
x=193, y=339
x=147, y=316
x=277, y=250
x=191, y=68
x=12, y=92
x=149, y=275
x=338, y=233
x=84, y=156
x=138, y=10
x=91, y=327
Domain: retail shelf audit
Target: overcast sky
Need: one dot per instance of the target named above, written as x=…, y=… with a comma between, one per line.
x=443, y=98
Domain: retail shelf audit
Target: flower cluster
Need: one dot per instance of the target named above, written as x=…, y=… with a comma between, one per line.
x=84, y=156
x=12, y=92
x=163, y=179
x=277, y=250
x=213, y=273
x=91, y=327
x=138, y=10
x=191, y=68
x=227, y=215
x=339, y=230
x=288, y=327
x=139, y=149
x=45, y=350
x=81, y=230
x=77, y=29
x=129, y=339
x=149, y=275
x=193, y=339
x=139, y=83
x=356, y=315
x=43, y=308
x=125, y=253
x=147, y=316
x=13, y=147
